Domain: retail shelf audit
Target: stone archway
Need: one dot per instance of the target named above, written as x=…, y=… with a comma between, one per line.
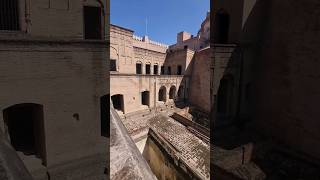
x=162, y=96
x=172, y=92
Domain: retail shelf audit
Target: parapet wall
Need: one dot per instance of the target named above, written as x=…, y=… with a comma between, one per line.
x=146, y=43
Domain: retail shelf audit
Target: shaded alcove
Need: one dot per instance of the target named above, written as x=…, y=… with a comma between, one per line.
x=104, y=118
x=118, y=102
x=92, y=22
x=172, y=92
x=138, y=68
x=181, y=92
x=221, y=27
x=225, y=92
x=145, y=100
x=148, y=68
x=162, y=94
x=25, y=124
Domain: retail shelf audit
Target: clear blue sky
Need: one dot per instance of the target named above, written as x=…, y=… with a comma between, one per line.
x=165, y=17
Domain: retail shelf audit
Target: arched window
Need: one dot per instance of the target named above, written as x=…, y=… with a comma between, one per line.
x=221, y=27
x=25, y=126
x=139, y=67
x=172, y=92
x=162, y=96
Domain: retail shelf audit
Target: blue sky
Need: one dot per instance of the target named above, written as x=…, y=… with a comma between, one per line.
x=165, y=18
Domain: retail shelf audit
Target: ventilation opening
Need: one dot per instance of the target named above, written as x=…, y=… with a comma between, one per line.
x=92, y=22
x=9, y=15
x=117, y=101
x=105, y=119
x=145, y=98
x=26, y=129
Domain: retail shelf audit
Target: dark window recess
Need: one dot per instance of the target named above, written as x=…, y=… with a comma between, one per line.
x=113, y=65
x=26, y=129
x=221, y=27
x=105, y=119
x=169, y=70
x=162, y=69
x=92, y=22
x=147, y=68
x=138, y=68
x=145, y=98
x=117, y=101
x=9, y=15
x=179, y=70
x=185, y=47
x=155, y=69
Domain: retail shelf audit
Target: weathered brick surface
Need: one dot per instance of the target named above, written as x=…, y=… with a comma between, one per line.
x=49, y=63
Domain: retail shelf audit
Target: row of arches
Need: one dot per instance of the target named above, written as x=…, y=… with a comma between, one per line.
x=162, y=95
x=118, y=99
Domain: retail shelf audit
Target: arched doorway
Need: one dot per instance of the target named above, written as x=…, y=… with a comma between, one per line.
x=104, y=118
x=221, y=27
x=162, y=94
x=225, y=92
x=25, y=126
x=145, y=100
x=172, y=92
x=117, y=101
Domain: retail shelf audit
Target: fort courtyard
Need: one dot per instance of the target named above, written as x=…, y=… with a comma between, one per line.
x=161, y=94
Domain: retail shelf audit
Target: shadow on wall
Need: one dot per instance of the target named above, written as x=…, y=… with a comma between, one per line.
x=233, y=65
x=273, y=92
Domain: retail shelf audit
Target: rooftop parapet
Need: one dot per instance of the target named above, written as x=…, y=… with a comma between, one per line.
x=147, y=40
